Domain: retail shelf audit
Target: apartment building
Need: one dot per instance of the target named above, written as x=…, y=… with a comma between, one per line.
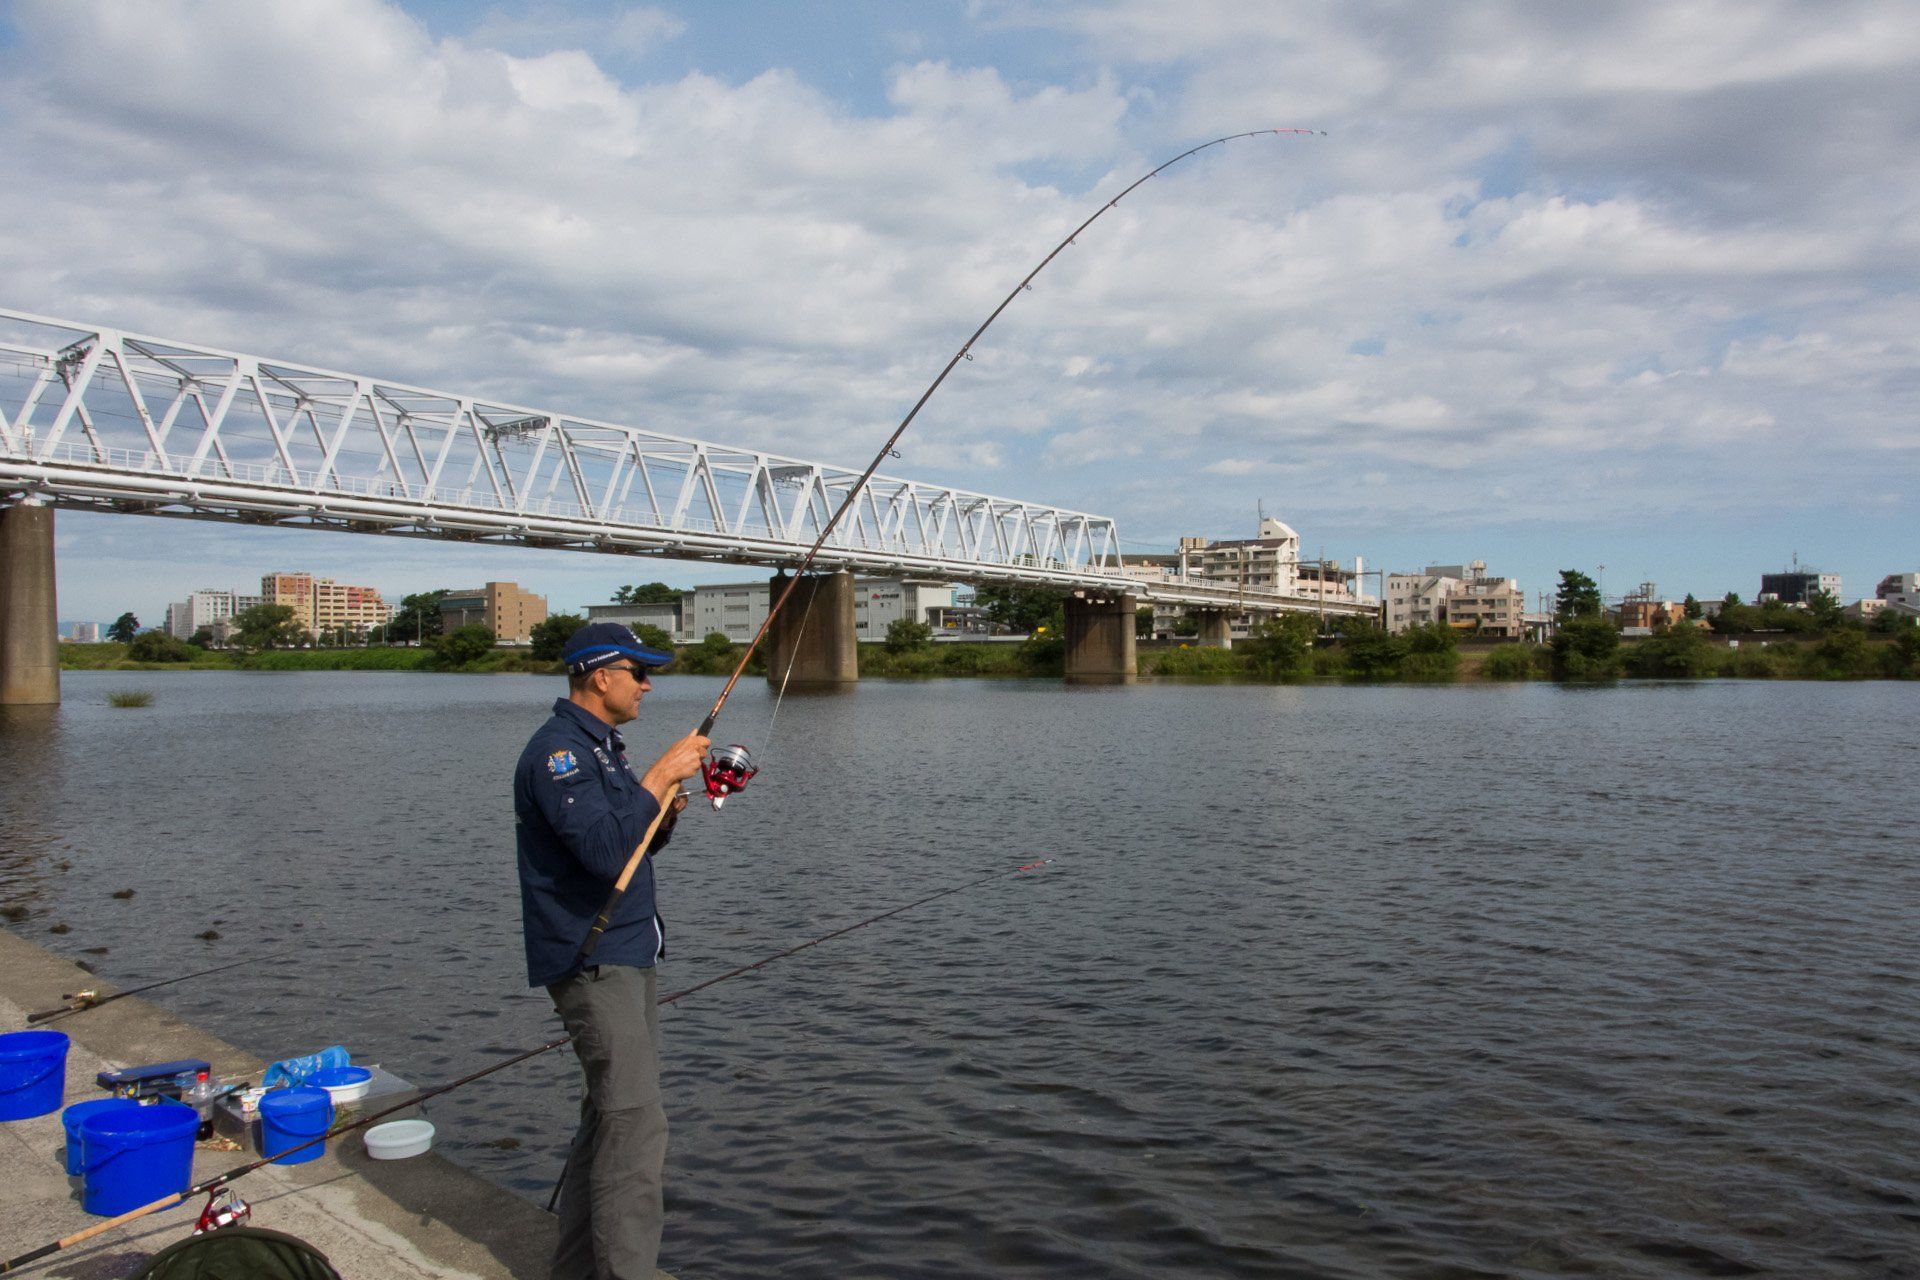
x=293, y=591
x=1488, y=607
x=203, y=608
x=322, y=606
x=1269, y=561
x=1459, y=595
x=1900, y=591
x=1420, y=599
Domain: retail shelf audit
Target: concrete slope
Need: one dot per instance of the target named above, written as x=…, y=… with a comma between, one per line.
x=418, y=1219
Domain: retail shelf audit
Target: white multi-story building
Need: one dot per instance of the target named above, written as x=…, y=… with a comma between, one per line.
x=1268, y=561
x=878, y=603
x=1420, y=599
x=203, y=608
x=1901, y=591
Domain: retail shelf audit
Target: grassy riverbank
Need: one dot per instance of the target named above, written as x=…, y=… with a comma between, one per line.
x=1368, y=657
x=108, y=656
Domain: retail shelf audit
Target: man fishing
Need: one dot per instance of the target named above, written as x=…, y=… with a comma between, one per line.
x=580, y=812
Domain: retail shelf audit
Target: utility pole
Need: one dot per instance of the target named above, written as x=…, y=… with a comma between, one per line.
x=1323, y=589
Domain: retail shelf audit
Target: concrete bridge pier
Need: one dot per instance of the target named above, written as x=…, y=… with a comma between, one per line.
x=1216, y=628
x=29, y=619
x=1100, y=638
x=815, y=632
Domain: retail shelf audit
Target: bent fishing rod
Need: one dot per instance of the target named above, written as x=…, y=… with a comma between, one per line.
x=729, y=770
x=81, y=1001
x=215, y=1183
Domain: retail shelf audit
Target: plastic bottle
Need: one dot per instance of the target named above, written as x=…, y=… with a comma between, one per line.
x=200, y=1095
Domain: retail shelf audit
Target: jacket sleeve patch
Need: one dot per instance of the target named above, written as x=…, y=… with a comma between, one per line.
x=563, y=765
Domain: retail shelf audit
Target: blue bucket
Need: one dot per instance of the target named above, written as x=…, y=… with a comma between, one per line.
x=132, y=1156
x=289, y=1117
x=74, y=1116
x=33, y=1073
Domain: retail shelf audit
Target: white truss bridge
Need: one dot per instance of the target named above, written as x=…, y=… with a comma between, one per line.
x=101, y=419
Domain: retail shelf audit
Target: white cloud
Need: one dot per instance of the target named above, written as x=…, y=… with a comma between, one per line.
x=1681, y=240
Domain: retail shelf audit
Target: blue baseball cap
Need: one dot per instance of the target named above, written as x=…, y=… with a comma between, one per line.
x=598, y=643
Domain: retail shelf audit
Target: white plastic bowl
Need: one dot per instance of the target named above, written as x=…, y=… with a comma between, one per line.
x=358, y=1081
x=398, y=1139
x=345, y=1093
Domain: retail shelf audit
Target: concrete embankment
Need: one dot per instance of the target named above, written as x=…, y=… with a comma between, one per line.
x=417, y=1219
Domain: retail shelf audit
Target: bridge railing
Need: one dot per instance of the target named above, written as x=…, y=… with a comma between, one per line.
x=82, y=396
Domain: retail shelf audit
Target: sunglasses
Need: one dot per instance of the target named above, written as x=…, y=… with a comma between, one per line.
x=638, y=673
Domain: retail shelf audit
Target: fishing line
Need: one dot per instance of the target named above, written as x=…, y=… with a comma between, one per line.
x=737, y=769
x=213, y=1184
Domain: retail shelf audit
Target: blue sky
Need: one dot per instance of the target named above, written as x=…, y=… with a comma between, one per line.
x=1565, y=286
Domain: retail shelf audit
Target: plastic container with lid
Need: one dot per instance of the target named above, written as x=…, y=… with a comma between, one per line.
x=399, y=1139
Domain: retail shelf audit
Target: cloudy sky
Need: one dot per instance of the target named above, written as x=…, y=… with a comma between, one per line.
x=1564, y=284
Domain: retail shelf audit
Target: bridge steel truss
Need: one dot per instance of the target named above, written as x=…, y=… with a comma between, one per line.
x=101, y=419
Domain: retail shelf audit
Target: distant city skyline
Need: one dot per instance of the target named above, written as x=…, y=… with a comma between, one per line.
x=177, y=557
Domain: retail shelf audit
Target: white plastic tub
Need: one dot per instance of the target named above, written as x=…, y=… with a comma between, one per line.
x=398, y=1139
x=343, y=1084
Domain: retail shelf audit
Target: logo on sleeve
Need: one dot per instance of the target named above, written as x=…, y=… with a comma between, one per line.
x=561, y=764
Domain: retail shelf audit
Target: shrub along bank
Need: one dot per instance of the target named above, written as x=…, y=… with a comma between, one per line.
x=1285, y=651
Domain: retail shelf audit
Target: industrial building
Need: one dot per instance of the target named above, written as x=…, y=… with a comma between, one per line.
x=1798, y=585
x=736, y=609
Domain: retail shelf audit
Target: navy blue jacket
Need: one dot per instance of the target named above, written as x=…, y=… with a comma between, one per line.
x=579, y=812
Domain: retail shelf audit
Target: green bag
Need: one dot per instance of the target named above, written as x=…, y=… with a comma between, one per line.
x=239, y=1253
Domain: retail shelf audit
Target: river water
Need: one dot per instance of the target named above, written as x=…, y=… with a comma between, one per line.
x=1322, y=981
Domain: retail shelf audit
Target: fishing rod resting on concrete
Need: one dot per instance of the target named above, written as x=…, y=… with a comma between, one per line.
x=215, y=1183
x=81, y=1001
x=730, y=769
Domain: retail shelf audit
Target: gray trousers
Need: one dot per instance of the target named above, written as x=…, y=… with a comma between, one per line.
x=610, y=1199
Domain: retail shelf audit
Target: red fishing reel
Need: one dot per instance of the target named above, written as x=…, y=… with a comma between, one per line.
x=727, y=770
x=224, y=1209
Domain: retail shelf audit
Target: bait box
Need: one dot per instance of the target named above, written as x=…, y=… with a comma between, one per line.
x=155, y=1080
